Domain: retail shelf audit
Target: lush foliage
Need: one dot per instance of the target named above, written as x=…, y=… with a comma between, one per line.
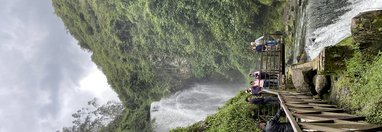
x=266, y=2
x=359, y=88
x=148, y=49
x=94, y=117
x=235, y=115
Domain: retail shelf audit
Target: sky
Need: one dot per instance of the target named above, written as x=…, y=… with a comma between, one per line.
x=44, y=75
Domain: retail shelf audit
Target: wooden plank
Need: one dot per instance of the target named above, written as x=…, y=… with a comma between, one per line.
x=299, y=105
x=314, y=110
x=296, y=96
x=322, y=109
x=296, y=102
x=319, y=121
x=291, y=93
x=323, y=105
x=310, y=126
x=340, y=126
x=318, y=117
x=313, y=104
x=289, y=100
x=337, y=114
x=314, y=101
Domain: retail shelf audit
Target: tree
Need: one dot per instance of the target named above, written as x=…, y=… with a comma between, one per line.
x=94, y=117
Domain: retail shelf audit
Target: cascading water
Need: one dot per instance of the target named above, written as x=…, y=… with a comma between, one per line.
x=327, y=22
x=191, y=105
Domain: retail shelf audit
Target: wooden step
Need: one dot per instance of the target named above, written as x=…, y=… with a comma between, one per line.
x=323, y=116
x=314, y=110
x=339, y=127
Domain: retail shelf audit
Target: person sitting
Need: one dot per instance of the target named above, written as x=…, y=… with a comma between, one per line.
x=262, y=75
x=274, y=125
x=263, y=83
x=259, y=48
x=259, y=45
x=254, y=90
x=262, y=100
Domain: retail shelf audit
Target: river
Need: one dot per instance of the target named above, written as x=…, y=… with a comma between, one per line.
x=322, y=23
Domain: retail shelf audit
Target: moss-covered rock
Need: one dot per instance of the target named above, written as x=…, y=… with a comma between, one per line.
x=335, y=57
x=367, y=30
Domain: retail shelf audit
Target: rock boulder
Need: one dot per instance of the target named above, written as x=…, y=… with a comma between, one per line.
x=320, y=83
x=303, y=80
x=366, y=29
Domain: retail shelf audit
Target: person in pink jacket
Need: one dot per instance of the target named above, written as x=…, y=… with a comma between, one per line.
x=263, y=83
x=262, y=75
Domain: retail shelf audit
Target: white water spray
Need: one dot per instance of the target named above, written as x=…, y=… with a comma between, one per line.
x=191, y=105
x=333, y=33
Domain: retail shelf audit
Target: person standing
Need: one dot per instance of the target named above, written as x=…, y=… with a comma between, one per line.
x=262, y=100
x=262, y=75
x=260, y=45
x=254, y=90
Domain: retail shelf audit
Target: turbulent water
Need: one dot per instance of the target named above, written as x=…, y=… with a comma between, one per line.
x=191, y=105
x=327, y=22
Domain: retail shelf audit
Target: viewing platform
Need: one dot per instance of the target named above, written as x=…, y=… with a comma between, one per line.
x=303, y=111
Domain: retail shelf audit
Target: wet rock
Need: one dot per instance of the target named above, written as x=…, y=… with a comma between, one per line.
x=320, y=83
x=334, y=59
x=366, y=29
x=303, y=80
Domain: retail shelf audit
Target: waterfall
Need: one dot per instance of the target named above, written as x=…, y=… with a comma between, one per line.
x=328, y=21
x=191, y=105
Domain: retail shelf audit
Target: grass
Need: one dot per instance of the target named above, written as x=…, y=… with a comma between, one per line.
x=266, y=2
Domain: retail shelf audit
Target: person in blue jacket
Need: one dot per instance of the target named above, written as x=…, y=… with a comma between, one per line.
x=262, y=100
x=260, y=45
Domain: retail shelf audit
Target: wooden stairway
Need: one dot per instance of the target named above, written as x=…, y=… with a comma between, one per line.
x=317, y=115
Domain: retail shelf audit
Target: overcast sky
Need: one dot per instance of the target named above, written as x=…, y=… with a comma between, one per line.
x=44, y=75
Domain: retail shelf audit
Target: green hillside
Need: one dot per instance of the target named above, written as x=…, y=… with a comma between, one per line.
x=148, y=49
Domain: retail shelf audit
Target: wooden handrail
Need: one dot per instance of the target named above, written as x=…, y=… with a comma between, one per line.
x=288, y=114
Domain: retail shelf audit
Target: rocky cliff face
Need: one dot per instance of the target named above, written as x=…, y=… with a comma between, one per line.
x=366, y=29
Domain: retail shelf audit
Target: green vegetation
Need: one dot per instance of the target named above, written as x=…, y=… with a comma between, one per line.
x=358, y=87
x=94, y=117
x=148, y=49
x=266, y=2
x=235, y=115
